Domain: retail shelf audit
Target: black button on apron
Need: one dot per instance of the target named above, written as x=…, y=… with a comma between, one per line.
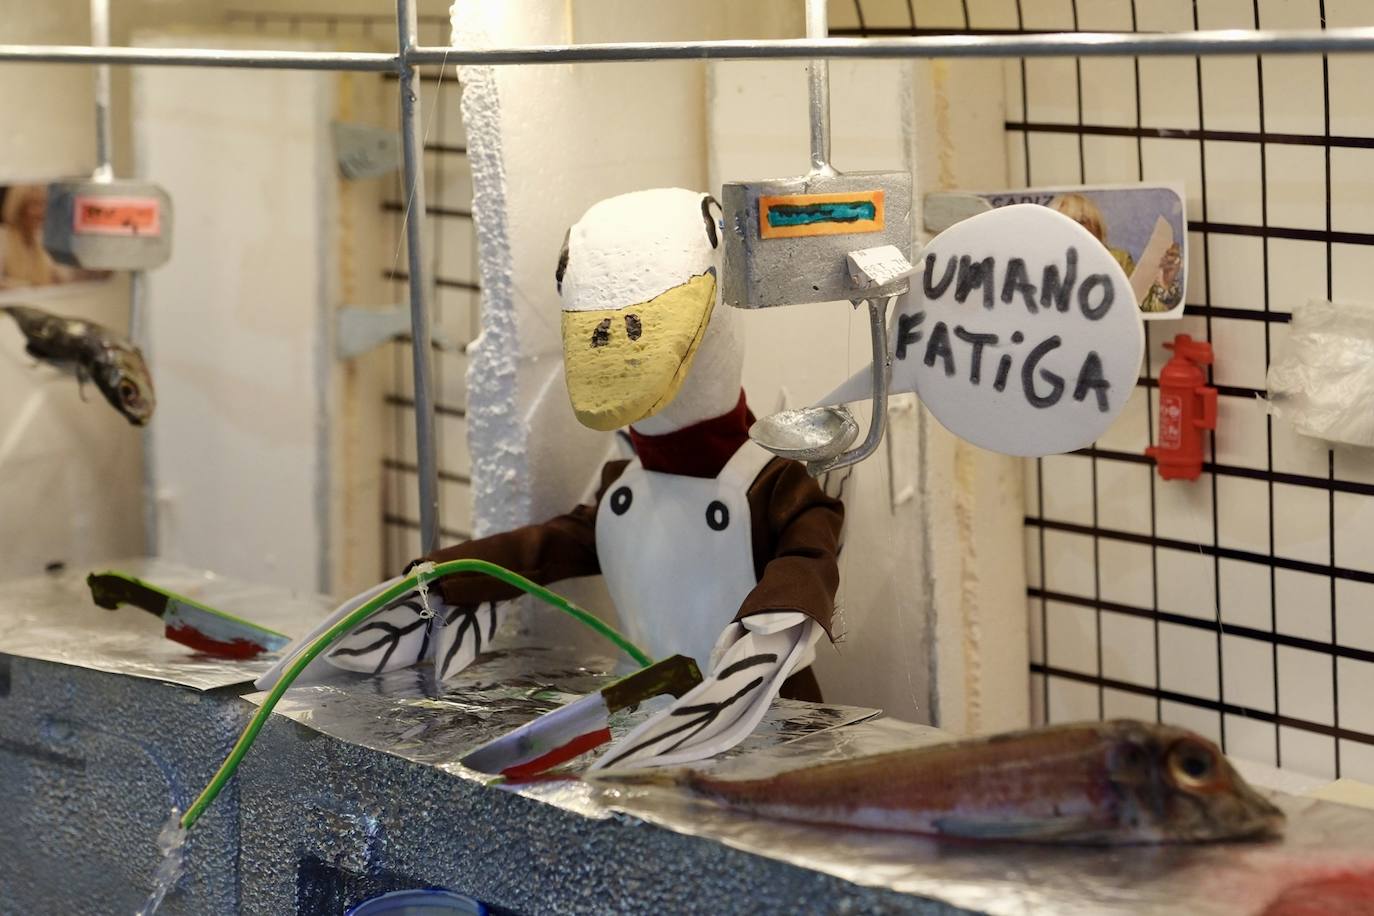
x=717, y=516
x=621, y=499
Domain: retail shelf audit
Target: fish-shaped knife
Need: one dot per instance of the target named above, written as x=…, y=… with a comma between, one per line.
x=570, y=731
x=188, y=622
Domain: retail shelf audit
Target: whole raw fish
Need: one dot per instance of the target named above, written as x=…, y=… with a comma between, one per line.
x=1094, y=783
x=90, y=351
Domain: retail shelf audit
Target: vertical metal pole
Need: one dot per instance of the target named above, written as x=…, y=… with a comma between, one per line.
x=882, y=376
x=413, y=170
x=100, y=38
x=138, y=331
x=818, y=82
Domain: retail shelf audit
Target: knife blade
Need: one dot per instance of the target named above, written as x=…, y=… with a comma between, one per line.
x=577, y=727
x=188, y=622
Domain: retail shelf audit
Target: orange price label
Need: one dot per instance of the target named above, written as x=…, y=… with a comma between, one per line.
x=116, y=216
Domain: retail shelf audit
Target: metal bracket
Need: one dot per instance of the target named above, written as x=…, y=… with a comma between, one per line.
x=945, y=208
x=364, y=151
x=359, y=329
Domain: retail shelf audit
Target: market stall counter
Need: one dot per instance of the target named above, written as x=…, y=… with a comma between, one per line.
x=356, y=787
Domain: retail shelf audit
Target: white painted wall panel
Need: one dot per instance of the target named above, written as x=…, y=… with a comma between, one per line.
x=236, y=318
x=70, y=478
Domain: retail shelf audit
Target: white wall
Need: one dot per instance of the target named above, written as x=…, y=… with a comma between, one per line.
x=70, y=475
x=239, y=319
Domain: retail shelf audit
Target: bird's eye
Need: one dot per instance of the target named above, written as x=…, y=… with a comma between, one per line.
x=1192, y=765
x=128, y=392
x=710, y=209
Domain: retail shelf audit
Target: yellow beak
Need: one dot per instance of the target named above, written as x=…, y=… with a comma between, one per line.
x=625, y=364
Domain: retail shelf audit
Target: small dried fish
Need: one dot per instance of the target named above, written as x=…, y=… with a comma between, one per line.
x=90, y=351
x=1092, y=783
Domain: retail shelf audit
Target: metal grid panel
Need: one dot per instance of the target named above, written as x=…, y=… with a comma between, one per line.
x=452, y=249
x=1241, y=605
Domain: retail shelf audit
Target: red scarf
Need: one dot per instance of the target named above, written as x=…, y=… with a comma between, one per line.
x=699, y=450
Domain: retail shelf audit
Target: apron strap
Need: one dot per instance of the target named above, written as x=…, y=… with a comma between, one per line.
x=744, y=466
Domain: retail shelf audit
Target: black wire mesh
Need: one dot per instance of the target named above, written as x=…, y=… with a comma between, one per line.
x=1204, y=609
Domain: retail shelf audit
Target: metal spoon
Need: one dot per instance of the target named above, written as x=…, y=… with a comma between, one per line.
x=810, y=434
x=819, y=435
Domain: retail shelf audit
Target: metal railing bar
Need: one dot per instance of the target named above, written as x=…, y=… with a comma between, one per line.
x=406, y=467
x=1075, y=44
x=420, y=277
x=201, y=57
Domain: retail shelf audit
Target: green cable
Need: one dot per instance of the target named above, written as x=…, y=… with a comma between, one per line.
x=415, y=579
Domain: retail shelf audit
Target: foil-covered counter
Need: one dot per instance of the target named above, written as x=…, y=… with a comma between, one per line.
x=52, y=618
x=356, y=787
x=419, y=816
x=104, y=725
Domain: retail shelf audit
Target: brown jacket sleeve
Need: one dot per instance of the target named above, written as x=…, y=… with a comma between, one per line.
x=796, y=544
x=560, y=548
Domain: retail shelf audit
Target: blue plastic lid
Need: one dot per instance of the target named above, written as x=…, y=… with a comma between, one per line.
x=423, y=902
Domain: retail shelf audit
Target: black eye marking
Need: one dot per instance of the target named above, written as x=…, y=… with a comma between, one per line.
x=633, y=326
x=602, y=335
x=562, y=263
x=707, y=203
x=717, y=516
x=620, y=500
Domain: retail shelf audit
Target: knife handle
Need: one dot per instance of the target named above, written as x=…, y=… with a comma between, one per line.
x=110, y=591
x=675, y=675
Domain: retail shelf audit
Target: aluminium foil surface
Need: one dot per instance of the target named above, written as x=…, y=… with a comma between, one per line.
x=52, y=618
x=408, y=716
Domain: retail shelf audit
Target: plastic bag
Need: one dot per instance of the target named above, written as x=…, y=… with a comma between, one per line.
x=1323, y=383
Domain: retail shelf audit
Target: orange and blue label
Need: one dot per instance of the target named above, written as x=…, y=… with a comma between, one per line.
x=790, y=216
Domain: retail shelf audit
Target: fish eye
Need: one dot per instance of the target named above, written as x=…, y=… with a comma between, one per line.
x=1192, y=765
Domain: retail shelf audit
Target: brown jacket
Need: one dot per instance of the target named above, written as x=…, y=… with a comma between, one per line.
x=796, y=533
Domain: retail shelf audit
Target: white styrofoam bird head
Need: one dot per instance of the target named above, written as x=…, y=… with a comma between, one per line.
x=638, y=277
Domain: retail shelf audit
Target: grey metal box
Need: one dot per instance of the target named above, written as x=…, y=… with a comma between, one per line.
x=108, y=225
x=809, y=266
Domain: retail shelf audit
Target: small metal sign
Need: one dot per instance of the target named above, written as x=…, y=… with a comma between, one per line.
x=108, y=225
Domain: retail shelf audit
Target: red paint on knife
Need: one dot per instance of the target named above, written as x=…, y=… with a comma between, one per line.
x=561, y=754
x=219, y=648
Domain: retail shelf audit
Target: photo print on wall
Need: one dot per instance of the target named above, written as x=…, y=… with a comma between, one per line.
x=1144, y=228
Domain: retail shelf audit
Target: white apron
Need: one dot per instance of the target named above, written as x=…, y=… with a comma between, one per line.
x=677, y=553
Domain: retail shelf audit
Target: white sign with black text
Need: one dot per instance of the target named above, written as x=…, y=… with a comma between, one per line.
x=1020, y=333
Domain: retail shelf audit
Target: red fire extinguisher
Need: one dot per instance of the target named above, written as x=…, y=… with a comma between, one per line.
x=1187, y=406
